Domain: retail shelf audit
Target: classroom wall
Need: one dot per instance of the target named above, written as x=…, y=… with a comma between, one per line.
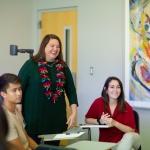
x=16, y=28
x=101, y=45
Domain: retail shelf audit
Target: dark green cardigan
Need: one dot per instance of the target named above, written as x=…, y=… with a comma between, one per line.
x=40, y=114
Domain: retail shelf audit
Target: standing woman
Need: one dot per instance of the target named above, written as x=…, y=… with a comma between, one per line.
x=45, y=79
x=112, y=109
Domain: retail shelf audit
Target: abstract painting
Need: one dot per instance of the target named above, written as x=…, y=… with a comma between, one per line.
x=138, y=52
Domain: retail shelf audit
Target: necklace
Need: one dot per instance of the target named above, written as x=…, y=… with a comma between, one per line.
x=46, y=81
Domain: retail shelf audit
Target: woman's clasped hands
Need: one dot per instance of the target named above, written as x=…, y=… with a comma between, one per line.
x=107, y=119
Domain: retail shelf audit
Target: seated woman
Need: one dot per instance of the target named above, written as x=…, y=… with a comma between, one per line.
x=112, y=109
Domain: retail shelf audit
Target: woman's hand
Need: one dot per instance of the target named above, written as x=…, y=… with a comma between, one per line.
x=104, y=118
x=72, y=118
x=110, y=122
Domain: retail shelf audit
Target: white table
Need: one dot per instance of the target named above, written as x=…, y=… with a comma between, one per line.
x=91, y=145
x=89, y=126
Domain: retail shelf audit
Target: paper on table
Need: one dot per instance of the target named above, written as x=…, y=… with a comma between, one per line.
x=68, y=136
x=94, y=126
x=61, y=136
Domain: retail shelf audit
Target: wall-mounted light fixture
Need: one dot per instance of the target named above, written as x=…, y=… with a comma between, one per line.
x=14, y=50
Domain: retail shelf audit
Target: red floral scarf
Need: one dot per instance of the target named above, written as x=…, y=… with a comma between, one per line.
x=46, y=81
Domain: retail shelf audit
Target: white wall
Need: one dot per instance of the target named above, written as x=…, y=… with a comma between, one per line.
x=99, y=37
x=100, y=44
x=16, y=28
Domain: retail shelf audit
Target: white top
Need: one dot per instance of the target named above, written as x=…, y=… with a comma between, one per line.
x=16, y=127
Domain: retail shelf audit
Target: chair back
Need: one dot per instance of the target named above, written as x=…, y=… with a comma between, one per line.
x=137, y=120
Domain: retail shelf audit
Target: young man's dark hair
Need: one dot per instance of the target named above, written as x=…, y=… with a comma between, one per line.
x=6, y=79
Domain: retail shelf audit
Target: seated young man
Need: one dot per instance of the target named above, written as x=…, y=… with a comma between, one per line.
x=11, y=92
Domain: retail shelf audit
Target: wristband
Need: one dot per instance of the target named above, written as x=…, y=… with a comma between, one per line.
x=98, y=121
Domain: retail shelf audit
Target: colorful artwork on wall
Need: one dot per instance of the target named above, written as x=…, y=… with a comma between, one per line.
x=138, y=52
